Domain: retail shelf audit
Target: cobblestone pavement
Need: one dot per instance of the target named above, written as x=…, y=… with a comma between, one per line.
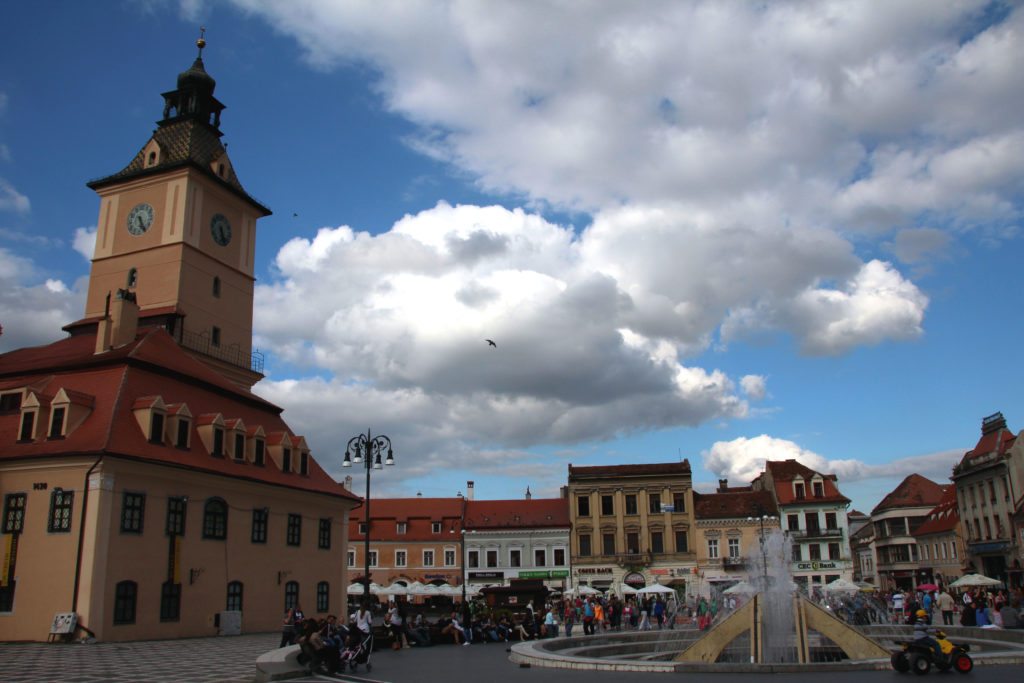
x=191, y=660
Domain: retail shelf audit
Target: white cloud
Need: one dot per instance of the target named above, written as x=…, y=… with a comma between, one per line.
x=33, y=314
x=754, y=386
x=84, y=241
x=12, y=200
x=743, y=459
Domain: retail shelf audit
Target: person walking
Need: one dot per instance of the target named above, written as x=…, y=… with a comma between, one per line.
x=945, y=604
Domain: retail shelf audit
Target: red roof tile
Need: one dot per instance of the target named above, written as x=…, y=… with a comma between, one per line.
x=152, y=365
x=784, y=472
x=733, y=504
x=913, y=491
x=517, y=514
x=943, y=518
x=418, y=514
x=669, y=468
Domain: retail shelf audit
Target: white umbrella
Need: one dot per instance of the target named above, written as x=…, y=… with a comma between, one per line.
x=626, y=589
x=974, y=581
x=655, y=588
x=741, y=588
x=841, y=585
x=415, y=588
x=587, y=590
x=394, y=589
x=355, y=589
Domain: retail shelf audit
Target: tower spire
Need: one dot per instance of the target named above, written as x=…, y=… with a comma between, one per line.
x=201, y=42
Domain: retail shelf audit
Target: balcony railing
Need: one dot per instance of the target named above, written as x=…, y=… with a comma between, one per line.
x=229, y=354
x=734, y=562
x=815, y=533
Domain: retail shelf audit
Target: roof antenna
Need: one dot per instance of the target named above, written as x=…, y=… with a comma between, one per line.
x=201, y=43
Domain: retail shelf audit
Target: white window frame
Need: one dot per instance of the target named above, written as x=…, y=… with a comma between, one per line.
x=518, y=551
x=405, y=558
x=554, y=556
x=497, y=558
x=449, y=557
x=435, y=527
x=734, y=543
x=373, y=558
x=474, y=553
x=712, y=548
x=401, y=528
x=544, y=557
x=351, y=557
x=429, y=551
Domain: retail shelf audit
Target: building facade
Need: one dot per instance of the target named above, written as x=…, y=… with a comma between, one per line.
x=940, y=549
x=412, y=540
x=731, y=526
x=518, y=539
x=813, y=513
x=145, y=489
x=632, y=524
x=987, y=496
x=894, y=519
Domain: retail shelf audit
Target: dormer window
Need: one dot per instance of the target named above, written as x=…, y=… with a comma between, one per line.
x=181, y=438
x=151, y=159
x=798, y=490
x=401, y=527
x=10, y=402
x=156, y=428
x=240, y=447
x=28, y=426
x=259, y=453
x=818, y=488
x=304, y=463
x=57, y=423
x=286, y=460
x=218, y=443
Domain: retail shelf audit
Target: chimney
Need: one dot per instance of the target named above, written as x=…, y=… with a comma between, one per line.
x=469, y=490
x=120, y=322
x=529, y=495
x=723, y=485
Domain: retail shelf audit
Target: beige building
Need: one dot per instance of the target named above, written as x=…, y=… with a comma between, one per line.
x=730, y=524
x=632, y=524
x=940, y=549
x=145, y=489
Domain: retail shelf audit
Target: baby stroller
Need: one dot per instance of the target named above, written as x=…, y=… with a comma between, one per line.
x=357, y=650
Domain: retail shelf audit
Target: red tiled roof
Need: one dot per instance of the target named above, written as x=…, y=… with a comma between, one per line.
x=418, y=514
x=943, y=518
x=732, y=504
x=997, y=441
x=517, y=514
x=913, y=491
x=152, y=365
x=784, y=472
x=630, y=470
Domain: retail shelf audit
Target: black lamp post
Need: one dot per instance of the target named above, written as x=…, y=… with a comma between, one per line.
x=368, y=449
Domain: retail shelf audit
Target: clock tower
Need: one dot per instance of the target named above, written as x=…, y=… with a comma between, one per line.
x=177, y=233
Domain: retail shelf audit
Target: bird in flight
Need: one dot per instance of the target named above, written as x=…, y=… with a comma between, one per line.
x=490, y=342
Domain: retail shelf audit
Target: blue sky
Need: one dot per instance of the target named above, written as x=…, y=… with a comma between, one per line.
x=719, y=231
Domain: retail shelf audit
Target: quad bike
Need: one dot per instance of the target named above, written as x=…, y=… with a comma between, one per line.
x=919, y=656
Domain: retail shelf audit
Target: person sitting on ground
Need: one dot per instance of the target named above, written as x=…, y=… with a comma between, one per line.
x=319, y=652
x=524, y=629
x=333, y=633
x=456, y=630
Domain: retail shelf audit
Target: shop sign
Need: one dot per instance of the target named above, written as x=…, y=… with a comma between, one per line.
x=535, y=575
x=635, y=579
x=662, y=572
x=559, y=573
x=433, y=577
x=816, y=566
x=487, y=575
x=594, y=570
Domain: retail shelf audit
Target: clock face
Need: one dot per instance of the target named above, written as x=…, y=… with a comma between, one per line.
x=220, y=228
x=140, y=218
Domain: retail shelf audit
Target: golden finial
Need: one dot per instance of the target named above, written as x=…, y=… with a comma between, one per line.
x=201, y=43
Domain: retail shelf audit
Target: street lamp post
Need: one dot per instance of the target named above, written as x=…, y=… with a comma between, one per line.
x=368, y=449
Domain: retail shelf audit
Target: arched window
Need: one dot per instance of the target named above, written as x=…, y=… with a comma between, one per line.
x=133, y=278
x=215, y=519
x=152, y=159
x=291, y=595
x=323, y=597
x=235, y=596
x=125, y=594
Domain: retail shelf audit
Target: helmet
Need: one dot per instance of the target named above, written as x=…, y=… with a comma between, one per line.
x=920, y=614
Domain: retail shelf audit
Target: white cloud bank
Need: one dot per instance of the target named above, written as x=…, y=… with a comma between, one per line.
x=740, y=164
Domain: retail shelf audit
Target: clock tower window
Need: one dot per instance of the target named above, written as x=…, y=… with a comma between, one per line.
x=216, y=286
x=215, y=336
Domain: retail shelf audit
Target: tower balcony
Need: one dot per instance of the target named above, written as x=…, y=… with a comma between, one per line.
x=232, y=355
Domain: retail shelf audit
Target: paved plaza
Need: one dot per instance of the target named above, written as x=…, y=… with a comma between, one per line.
x=231, y=660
